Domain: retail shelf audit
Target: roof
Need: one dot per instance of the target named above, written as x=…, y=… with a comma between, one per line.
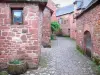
x=90, y=6
x=23, y=0
x=86, y=3
x=65, y=10
x=81, y=4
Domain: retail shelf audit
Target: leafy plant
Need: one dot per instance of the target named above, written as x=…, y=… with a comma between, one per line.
x=15, y=62
x=55, y=26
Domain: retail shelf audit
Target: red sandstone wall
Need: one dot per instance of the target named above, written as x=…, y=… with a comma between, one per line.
x=46, y=28
x=49, y=16
x=90, y=21
x=20, y=41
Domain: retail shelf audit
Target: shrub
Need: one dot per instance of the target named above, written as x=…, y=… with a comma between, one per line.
x=55, y=26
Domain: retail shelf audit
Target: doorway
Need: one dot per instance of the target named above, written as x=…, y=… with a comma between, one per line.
x=88, y=43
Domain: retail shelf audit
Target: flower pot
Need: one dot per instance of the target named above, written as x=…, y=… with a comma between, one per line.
x=17, y=69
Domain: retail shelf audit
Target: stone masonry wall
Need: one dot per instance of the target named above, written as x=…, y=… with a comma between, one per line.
x=20, y=41
x=52, y=6
x=49, y=16
x=90, y=21
x=46, y=28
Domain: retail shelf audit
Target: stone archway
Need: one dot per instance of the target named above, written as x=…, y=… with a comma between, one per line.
x=88, y=43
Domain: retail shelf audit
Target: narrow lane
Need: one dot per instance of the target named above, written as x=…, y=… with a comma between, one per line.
x=63, y=59
x=68, y=60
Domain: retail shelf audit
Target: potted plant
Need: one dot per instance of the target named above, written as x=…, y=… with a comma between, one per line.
x=17, y=67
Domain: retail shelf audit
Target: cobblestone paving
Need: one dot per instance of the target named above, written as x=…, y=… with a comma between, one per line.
x=63, y=59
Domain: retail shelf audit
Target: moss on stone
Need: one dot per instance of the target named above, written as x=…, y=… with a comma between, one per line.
x=80, y=50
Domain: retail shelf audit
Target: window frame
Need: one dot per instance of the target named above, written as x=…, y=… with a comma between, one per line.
x=12, y=16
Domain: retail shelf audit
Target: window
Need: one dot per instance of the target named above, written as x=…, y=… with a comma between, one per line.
x=61, y=20
x=17, y=15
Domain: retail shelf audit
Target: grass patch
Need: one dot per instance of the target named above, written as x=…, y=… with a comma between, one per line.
x=80, y=50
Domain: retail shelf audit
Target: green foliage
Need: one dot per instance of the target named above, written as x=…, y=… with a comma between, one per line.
x=55, y=26
x=80, y=50
x=15, y=62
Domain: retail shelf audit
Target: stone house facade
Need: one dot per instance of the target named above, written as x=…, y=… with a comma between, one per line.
x=20, y=31
x=64, y=24
x=46, y=31
x=88, y=29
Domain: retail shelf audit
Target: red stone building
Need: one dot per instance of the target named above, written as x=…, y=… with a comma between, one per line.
x=88, y=29
x=64, y=24
x=66, y=19
x=20, y=30
x=49, y=16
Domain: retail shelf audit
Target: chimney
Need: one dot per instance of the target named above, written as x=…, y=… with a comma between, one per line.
x=77, y=5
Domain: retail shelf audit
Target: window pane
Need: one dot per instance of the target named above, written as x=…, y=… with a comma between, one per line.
x=17, y=16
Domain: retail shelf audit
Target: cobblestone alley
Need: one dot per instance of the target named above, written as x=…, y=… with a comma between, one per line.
x=63, y=59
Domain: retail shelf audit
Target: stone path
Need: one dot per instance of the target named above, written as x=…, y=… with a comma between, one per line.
x=63, y=59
